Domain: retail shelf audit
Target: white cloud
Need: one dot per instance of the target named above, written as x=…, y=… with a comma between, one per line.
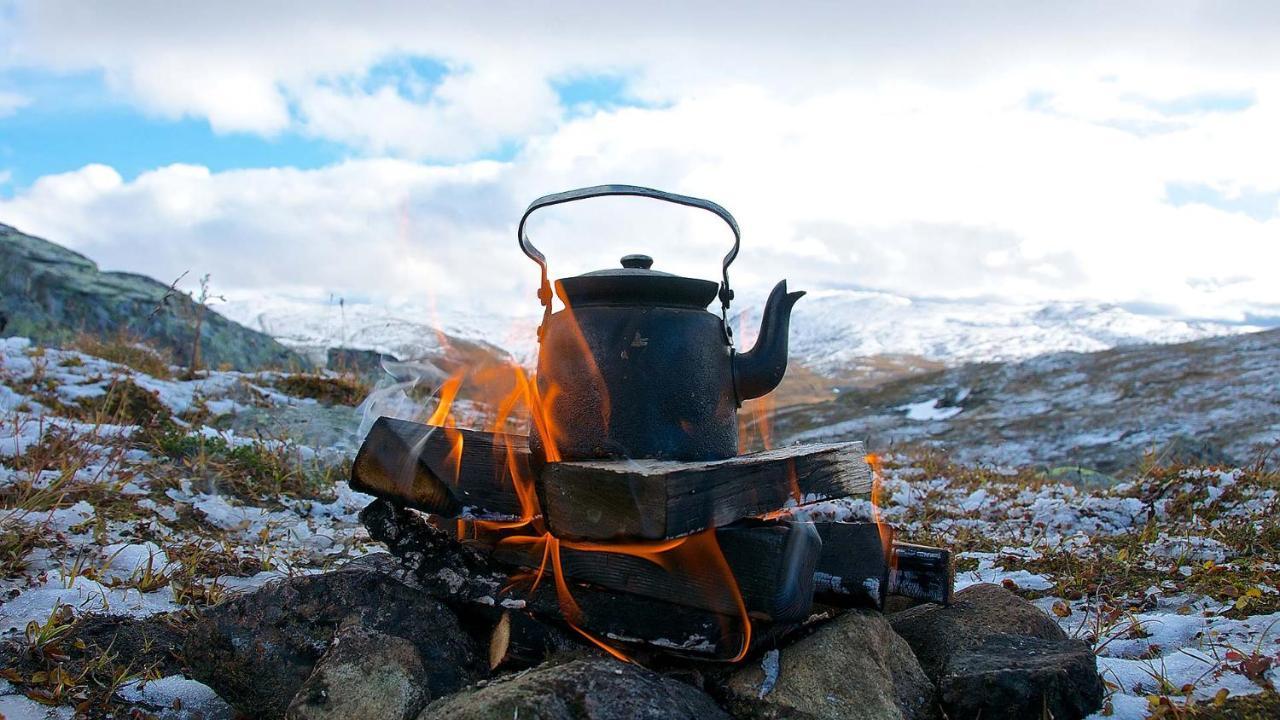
x=12, y=102
x=243, y=64
x=1018, y=151
x=919, y=192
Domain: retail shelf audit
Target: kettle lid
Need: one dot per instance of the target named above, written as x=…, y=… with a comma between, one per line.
x=636, y=283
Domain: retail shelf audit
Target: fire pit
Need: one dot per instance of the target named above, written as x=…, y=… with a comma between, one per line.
x=627, y=513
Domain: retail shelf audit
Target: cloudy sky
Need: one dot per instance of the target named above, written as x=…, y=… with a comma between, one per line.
x=383, y=152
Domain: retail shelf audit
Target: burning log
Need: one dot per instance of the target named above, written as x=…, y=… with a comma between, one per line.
x=444, y=471
x=663, y=499
x=444, y=568
x=453, y=472
x=772, y=563
x=922, y=572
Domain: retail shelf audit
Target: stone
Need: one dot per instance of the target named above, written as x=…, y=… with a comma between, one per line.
x=854, y=666
x=995, y=655
x=257, y=650
x=586, y=689
x=976, y=613
x=363, y=674
x=50, y=294
x=1010, y=676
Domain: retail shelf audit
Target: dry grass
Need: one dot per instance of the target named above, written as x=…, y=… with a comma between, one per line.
x=126, y=350
x=332, y=390
x=262, y=471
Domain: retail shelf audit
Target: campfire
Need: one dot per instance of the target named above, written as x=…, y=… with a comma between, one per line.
x=629, y=512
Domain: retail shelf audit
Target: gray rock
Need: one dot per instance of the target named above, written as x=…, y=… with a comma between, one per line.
x=852, y=667
x=364, y=674
x=366, y=363
x=257, y=650
x=591, y=689
x=975, y=614
x=49, y=294
x=1020, y=677
x=995, y=655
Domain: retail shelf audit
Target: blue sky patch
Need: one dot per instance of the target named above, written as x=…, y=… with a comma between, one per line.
x=73, y=121
x=1199, y=103
x=1260, y=206
x=586, y=93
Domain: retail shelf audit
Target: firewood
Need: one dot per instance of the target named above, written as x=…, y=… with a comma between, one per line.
x=442, y=567
x=853, y=569
x=519, y=641
x=773, y=564
x=416, y=465
x=922, y=572
x=662, y=499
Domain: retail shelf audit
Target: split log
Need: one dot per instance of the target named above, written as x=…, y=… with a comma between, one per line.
x=853, y=569
x=444, y=568
x=417, y=466
x=519, y=641
x=663, y=499
x=922, y=572
x=773, y=564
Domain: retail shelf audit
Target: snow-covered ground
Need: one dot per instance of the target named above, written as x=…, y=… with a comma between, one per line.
x=95, y=515
x=1172, y=576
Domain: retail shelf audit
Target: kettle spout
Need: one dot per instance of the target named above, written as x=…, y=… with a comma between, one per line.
x=759, y=370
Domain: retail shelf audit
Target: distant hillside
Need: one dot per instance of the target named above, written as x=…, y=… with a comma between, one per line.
x=51, y=294
x=1214, y=400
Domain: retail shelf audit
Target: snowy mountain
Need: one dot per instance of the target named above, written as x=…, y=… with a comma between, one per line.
x=1212, y=401
x=833, y=330
x=833, y=333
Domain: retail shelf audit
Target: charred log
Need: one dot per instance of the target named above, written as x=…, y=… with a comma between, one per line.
x=421, y=466
x=853, y=570
x=772, y=563
x=458, y=575
x=922, y=573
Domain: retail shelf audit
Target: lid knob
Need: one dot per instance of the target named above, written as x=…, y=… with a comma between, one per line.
x=637, y=262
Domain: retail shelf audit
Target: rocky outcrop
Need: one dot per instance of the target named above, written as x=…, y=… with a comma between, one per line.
x=51, y=294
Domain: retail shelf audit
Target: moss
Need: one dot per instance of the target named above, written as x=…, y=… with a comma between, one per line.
x=331, y=390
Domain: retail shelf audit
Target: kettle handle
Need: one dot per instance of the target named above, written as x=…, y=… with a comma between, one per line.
x=544, y=291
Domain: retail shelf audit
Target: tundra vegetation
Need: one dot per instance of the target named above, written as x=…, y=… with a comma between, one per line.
x=130, y=489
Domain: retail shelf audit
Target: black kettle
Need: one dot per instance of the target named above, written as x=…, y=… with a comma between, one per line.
x=635, y=366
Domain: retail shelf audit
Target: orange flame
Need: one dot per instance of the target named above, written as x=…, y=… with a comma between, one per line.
x=448, y=391
x=523, y=395
x=755, y=425
x=877, y=490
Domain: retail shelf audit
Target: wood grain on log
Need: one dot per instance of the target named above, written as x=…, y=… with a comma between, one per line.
x=662, y=499
x=772, y=563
